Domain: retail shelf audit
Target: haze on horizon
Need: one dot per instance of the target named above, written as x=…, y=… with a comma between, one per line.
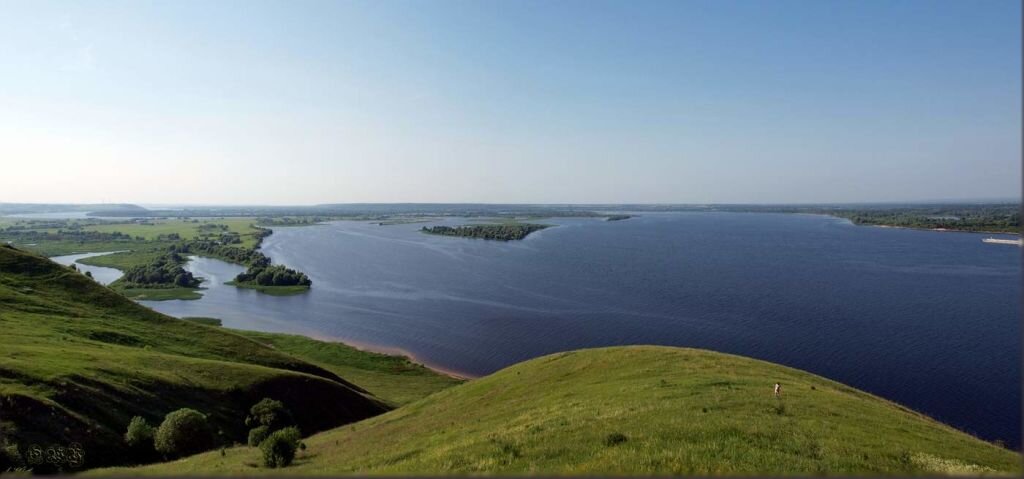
x=509, y=102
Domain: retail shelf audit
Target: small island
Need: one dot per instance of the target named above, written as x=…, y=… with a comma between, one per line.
x=273, y=279
x=498, y=232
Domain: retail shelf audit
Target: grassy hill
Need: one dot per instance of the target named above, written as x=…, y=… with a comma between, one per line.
x=78, y=361
x=633, y=410
x=394, y=379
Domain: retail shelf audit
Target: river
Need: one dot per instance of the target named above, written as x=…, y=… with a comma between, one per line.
x=924, y=318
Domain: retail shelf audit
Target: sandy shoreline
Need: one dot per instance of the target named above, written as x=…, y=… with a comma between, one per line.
x=389, y=350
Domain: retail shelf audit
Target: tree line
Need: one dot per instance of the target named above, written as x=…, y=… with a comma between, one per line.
x=186, y=431
x=507, y=232
x=273, y=275
x=259, y=270
x=64, y=235
x=165, y=271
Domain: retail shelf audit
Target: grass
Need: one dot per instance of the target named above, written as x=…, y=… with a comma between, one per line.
x=78, y=361
x=63, y=247
x=141, y=255
x=394, y=379
x=161, y=294
x=187, y=229
x=639, y=410
x=150, y=233
x=272, y=290
x=205, y=321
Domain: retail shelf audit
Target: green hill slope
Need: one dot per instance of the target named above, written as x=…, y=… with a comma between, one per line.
x=634, y=410
x=395, y=379
x=78, y=361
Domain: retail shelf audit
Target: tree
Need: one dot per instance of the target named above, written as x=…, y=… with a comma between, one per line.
x=257, y=435
x=140, y=434
x=270, y=413
x=88, y=274
x=183, y=432
x=279, y=448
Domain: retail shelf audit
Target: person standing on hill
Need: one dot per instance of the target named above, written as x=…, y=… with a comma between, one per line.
x=778, y=390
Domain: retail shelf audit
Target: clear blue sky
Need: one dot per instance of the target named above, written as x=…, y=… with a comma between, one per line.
x=513, y=101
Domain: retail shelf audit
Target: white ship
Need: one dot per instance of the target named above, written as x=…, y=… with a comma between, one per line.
x=1018, y=242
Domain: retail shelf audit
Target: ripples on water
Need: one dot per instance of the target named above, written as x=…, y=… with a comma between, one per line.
x=923, y=318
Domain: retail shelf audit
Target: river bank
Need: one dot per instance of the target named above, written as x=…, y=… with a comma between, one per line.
x=939, y=230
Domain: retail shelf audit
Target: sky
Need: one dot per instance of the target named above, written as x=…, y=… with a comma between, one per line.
x=298, y=102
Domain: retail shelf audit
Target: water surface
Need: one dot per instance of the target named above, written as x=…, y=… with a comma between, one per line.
x=101, y=274
x=923, y=318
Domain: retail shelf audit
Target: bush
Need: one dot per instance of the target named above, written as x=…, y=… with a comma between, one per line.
x=257, y=435
x=279, y=448
x=183, y=432
x=10, y=458
x=140, y=434
x=270, y=413
x=615, y=439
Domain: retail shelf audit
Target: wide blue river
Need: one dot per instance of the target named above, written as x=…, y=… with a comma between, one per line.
x=927, y=319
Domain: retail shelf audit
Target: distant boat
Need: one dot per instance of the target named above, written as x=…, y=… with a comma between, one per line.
x=1018, y=242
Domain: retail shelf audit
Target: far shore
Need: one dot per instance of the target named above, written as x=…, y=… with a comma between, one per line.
x=943, y=230
x=939, y=230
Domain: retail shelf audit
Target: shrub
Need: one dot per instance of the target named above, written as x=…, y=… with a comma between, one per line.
x=140, y=434
x=257, y=435
x=10, y=458
x=183, y=432
x=615, y=439
x=279, y=448
x=270, y=413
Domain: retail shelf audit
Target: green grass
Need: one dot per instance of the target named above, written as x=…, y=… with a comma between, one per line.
x=78, y=361
x=64, y=247
x=149, y=233
x=205, y=321
x=140, y=255
x=272, y=290
x=184, y=228
x=633, y=410
x=160, y=294
x=394, y=379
